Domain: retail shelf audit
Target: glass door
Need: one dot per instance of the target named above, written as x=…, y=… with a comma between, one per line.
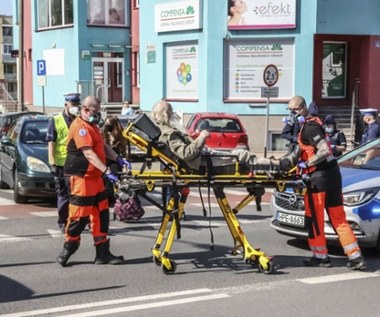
x=108, y=79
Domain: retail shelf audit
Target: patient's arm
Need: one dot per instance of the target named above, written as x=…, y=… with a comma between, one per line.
x=185, y=147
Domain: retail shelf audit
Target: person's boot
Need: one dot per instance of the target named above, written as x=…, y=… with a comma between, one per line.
x=68, y=250
x=104, y=256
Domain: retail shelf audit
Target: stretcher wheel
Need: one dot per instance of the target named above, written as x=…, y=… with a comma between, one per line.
x=268, y=270
x=252, y=261
x=170, y=271
x=157, y=260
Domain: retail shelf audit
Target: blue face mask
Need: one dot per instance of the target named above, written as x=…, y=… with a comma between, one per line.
x=301, y=119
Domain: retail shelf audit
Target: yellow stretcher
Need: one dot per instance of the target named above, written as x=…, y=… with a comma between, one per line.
x=175, y=175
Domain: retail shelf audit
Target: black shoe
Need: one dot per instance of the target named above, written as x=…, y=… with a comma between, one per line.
x=313, y=261
x=357, y=264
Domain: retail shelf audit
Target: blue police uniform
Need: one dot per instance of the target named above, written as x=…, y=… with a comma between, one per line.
x=372, y=130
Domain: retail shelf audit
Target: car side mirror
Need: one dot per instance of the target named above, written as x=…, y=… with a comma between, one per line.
x=6, y=141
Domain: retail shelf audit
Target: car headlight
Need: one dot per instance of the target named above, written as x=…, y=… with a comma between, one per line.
x=359, y=197
x=37, y=165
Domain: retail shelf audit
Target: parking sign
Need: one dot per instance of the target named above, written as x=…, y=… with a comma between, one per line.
x=41, y=68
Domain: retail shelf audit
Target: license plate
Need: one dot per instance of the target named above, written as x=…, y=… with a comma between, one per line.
x=298, y=221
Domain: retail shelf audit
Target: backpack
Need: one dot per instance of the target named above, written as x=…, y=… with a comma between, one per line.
x=128, y=209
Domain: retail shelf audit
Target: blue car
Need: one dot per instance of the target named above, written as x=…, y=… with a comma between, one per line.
x=24, y=159
x=360, y=170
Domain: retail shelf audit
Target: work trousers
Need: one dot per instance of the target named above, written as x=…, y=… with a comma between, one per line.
x=61, y=188
x=326, y=193
x=87, y=203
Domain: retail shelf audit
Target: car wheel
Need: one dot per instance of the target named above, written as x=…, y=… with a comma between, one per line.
x=19, y=199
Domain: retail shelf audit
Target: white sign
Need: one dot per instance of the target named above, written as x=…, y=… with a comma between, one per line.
x=178, y=16
x=270, y=75
x=246, y=61
x=182, y=71
x=41, y=80
x=261, y=14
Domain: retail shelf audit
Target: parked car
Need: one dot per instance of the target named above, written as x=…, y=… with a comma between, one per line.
x=24, y=159
x=360, y=170
x=226, y=130
x=6, y=119
x=134, y=153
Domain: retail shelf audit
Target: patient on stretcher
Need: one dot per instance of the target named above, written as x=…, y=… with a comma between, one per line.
x=193, y=152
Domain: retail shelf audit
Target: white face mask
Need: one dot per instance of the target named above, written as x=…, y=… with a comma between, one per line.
x=329, y=129
x=74, y=111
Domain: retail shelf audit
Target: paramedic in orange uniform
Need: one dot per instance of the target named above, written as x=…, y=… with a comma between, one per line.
x=324, y=191
x=85, y=164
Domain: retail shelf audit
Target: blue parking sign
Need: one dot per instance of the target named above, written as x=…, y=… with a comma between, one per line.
x=41, y=68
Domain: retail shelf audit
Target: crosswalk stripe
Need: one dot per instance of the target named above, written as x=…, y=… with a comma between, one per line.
x=55, y=234
x=45, y=213
x=338, y=277
x=3, y=218
x=8, y=238
x=5, y=201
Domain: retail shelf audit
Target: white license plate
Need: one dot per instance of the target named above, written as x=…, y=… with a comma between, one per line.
x=298, y=221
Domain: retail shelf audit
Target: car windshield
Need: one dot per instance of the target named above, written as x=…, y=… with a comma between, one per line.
x=366, y=156
x=34, y=132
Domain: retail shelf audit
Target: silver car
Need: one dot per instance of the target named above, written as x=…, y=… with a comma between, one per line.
x=360, y=170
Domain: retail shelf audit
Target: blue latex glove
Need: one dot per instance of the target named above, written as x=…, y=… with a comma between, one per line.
x=122, y=161
x=112, y=178
x=302, y=164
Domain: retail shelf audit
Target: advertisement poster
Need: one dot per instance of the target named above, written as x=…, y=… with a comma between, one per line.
x=334, y=70
x=246, y=61
x=261, y=14
x=182, y=71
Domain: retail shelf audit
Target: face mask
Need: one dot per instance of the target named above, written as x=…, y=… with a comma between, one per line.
x=74, y=111
x=293, y=112
x=108, y=128
x=94, y=118
x=329, y=129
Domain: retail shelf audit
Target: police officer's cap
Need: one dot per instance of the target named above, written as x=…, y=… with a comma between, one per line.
x=330, y=119
x=368, y=112
x=72, y=97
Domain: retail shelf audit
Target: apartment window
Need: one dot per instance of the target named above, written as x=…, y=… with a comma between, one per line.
x=7, y=30
x=7, y=48
x=8, y=69
x=54, y=13
x=12, y=87
x=106, y=12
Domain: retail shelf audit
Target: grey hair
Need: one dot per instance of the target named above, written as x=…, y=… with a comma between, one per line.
x=162, y=112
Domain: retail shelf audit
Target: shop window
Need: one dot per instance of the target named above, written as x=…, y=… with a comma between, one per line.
x=106, y=12
x=54, y=13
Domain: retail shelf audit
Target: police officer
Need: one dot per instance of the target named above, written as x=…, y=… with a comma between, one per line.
x=58, y=128
x=335, y=137
x=324, y=191
x=372, y=130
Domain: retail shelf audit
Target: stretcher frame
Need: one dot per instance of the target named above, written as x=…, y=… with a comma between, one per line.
x=177, y=176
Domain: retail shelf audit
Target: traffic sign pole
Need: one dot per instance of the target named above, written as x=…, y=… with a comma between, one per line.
x=270, y=77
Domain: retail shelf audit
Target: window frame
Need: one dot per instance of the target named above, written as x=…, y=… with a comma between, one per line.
x=46, y=6
x=104, y=20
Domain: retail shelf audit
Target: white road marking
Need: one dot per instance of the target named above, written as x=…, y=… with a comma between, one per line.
x=5, y=201
x=108, y=303
x=338, y=277
x=8, y=238
x=173, y=302
x=3, y=218
x=213, y=205
x=55, y=234
x=45, y=213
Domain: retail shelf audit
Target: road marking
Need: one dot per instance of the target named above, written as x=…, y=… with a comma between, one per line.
x=338, y=277
x=173, y=302
x=8, y=238
x=3, y=218
x=55, y=234
x=108, y=303
x=45, y=213
x=5, y=201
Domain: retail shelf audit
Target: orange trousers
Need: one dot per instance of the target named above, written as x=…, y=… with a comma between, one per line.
x=87, y=203
x=337, y=216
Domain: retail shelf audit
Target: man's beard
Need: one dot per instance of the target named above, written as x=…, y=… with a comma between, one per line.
x=175, y=122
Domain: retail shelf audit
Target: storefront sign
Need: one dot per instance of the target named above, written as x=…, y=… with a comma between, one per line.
x=178, y=16
x=261, y=14
x=246, y=61
x=182, y=71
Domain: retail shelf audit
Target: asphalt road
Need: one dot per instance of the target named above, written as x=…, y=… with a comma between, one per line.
x=206, y=283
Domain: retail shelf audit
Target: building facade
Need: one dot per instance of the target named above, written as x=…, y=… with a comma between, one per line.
x=78, y=46
x=203, y=56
